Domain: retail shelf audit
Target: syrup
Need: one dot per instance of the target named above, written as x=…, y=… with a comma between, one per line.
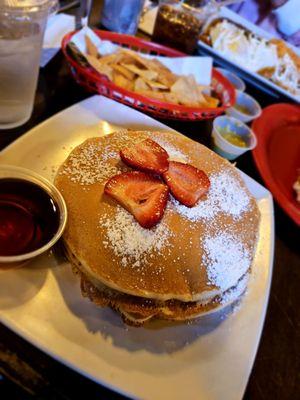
x=29, y=217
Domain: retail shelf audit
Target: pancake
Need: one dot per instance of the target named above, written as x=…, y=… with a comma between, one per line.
x=137, y=310
x=187, y=264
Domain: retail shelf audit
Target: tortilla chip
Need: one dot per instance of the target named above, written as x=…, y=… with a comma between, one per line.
x=193, y=84
x=145, y=73
x=155, y=95
x=210, y=102
x=110, y=58
x=158, y=66
x=186, y=91
x=201, y=95
x=167, y=78
x=120, y=80
x=164, y=75
x=103, y=69
x=124, y=71
x=135, y=57
x=171, y=98
x=155, y=85
x=90, y=47
x=140, y=85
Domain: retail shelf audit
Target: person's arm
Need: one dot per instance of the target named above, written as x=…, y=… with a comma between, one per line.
x=278, y=3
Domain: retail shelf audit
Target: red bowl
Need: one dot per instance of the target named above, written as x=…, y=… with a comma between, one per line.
x=95, y=82
x=277, y=155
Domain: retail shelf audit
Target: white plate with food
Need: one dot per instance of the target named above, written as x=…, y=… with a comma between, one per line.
x=255, y=51
x=249, y=48
x=209, y=358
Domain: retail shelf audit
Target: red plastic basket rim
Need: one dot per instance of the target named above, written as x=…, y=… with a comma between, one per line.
x=132, y=40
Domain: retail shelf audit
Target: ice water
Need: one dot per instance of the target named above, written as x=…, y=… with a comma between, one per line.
x=20, y=48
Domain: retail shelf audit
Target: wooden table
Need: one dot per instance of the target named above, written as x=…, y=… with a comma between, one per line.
x=25, y=371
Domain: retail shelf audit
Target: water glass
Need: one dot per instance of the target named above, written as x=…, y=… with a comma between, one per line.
x=22, y=26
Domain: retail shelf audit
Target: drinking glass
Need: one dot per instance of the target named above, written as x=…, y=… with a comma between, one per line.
x=122, y=16
x=22, y=26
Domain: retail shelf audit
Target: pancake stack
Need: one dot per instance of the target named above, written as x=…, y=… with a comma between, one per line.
x=196, y=260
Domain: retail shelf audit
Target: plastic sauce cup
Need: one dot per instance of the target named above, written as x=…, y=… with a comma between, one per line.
x=247, y=102
x=222, y=146
x=237, y=82
x=22, y=174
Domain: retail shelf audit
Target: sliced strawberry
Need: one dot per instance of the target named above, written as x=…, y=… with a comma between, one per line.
x=186, y=183
x=144, y=196
x=147, y=156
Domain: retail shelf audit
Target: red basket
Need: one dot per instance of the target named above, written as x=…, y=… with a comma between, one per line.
x=95, y=82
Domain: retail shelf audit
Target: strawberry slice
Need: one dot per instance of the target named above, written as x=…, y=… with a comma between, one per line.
x=186, y=183
x=143, y=195
x=147, y=156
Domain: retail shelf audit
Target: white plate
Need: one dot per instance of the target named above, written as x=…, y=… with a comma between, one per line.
x=147, y=26
x=208, y=359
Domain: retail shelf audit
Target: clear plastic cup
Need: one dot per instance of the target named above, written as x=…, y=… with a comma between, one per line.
x=22, y=26
x=246, y=108
x=22, y=174
x=237, y=82
x=225, y=148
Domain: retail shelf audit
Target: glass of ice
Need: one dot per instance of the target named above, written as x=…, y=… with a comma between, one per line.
x=22, y=26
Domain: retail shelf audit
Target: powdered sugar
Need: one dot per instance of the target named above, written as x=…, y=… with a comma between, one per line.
x=226, y=259
x=110, y=154
x=225, y=195
x=96, y=162
x=233, y=294
x=91, y=165
x=132, y=242
x=174, y=153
